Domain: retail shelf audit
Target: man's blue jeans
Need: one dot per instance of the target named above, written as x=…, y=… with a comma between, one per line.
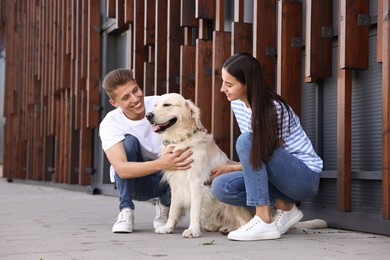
x=142, y=188
x=284, y=177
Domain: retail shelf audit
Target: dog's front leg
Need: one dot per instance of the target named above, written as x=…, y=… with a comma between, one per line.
x=194, y=230
x=173, y=218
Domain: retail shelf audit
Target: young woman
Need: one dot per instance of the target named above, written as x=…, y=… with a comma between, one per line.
x=278, y=165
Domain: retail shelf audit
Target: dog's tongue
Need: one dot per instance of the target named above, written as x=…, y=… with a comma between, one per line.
x=155, y=128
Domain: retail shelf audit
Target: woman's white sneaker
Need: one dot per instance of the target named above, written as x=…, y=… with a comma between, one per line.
x=125, y=222
x=286, y=219
x=255, y=229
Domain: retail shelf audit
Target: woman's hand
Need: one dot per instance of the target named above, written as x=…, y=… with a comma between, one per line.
x=234, y=166
x=176, y=160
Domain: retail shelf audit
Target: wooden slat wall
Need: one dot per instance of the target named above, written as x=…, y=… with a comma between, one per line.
x=319, y=39
x=264, y=36
x=53, y=64
x=220, y=106
x=290, y=52
x=53, y=84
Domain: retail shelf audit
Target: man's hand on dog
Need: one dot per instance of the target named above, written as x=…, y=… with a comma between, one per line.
x=176, y=160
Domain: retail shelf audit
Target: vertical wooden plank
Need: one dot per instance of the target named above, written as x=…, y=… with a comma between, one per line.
x=150, y=22
x=344, y=82
x=9, y=63
x=385, y=110
x=344, y=140
x=220, y=105
x=187, y=17
x=120, y=15
x=49, y=65
x=187, y=50
x=78, y=81
x=239, y=10
x=203, y=80
x=160, y=62
x=187, y=71
x=379, y=30
x=110, y=8
x=129, y=11
x=354, y=27
x=85, y=147
x=290, y=52
x=205, y=9
x=242, y=37
x=319, y=39
x=174, y=41
x=264, y=38
x=139, y=52
x=149, y=42
x=148, y=78
x=84, y=30
x=67, y=130
x=93, y=64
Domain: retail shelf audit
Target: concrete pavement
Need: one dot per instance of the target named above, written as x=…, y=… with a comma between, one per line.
x=41, y=222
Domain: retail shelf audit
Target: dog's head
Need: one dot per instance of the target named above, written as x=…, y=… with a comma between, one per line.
x=173, y=116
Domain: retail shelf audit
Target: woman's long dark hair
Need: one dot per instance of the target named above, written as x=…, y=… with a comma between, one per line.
x=266, y=133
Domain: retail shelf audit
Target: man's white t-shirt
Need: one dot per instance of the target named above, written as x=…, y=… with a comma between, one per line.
x=116, y=125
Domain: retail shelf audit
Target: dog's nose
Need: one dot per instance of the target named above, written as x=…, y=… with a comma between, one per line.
x=150, y=116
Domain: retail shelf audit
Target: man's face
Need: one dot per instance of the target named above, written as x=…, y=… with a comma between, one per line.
x=130, y=98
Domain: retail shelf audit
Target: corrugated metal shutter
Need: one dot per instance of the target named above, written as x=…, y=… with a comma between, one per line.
x=366, y=135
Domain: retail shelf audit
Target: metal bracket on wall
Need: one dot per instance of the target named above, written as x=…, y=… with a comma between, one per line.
x=364, y=20
x=327, y=32
x=97, y=107
x=89, y=170
x=296, y=42
x=270, y=51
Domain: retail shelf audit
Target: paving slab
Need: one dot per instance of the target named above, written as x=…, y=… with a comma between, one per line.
x=44, y=222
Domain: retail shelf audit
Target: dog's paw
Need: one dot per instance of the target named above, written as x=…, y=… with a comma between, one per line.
x=188, y=233
x=164, y=230
x=210, y=227
x=225, y=230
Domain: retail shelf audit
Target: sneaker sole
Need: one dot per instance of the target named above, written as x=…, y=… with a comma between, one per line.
x=292, y=222
x=122, y=231
x=268, y=236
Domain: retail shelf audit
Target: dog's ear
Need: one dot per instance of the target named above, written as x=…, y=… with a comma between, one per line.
x=195, y=113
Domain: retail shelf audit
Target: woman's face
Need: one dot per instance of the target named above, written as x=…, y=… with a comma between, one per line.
x=232, y=88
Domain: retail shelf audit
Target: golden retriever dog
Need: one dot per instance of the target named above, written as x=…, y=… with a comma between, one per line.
x=177, y=120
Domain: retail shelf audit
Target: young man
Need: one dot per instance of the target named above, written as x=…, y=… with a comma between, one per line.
x=132, y=149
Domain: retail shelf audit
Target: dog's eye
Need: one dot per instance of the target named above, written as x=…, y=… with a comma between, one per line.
x=167, y=105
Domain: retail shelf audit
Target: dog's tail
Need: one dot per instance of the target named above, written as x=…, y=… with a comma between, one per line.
x=310, y=224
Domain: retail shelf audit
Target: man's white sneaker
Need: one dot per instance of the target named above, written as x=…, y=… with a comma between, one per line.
x=255, y=229
x=162, y=213
x=286, y=219
x=125, y=222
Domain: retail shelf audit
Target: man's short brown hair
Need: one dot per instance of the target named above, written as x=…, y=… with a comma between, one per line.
x=115, y=79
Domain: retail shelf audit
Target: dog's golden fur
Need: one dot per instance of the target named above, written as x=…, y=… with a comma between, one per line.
x=177, y=120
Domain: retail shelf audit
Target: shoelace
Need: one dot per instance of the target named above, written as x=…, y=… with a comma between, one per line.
x=277, y=215
x=124, y=216
x=162, y=212
x=253, y=222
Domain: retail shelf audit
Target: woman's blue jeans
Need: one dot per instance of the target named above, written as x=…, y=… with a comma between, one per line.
x=142, y=188
x=283, y=177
